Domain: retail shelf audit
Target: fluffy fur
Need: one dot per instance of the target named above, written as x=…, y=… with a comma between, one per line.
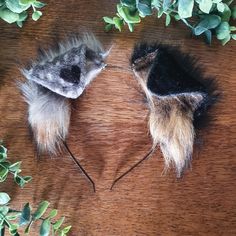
x=55, y=77
x=178, y=96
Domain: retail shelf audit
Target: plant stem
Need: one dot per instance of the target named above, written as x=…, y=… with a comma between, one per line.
x=2, y=232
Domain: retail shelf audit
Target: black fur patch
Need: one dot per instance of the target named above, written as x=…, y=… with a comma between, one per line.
x=71, y=75
x=173, y=72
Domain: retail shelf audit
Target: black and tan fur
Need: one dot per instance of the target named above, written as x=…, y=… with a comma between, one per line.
x=178, y=96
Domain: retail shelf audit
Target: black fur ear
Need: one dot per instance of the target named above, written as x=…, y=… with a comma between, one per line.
x=71, y=74
x=173, y=73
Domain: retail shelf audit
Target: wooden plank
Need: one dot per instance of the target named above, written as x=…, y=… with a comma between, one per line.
x=108, y=134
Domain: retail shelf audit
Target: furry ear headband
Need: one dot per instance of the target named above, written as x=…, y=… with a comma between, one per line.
x=178, y=97
x=54, y=78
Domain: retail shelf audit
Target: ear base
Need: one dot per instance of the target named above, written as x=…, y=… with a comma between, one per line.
x=48, y=116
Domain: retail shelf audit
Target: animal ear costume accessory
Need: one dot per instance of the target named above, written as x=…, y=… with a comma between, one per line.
x=58, y=75
x=178, y=97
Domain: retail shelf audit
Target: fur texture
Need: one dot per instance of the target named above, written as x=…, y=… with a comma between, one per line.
x=54, y=78
x=178, y=96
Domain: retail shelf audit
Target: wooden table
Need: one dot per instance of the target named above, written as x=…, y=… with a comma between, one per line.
x=108, y=134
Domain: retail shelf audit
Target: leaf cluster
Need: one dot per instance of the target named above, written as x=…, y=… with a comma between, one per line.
x=15, y=219
x=207, y=17
x=16, y=11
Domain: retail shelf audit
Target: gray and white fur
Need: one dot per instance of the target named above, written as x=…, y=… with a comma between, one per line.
x=52, y=80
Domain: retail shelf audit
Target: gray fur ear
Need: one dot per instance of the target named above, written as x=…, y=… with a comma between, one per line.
x=68, y=71
x=54, y=78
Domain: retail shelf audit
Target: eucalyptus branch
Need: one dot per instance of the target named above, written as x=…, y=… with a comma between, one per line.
x=15, y=219
x=210, y=17
x=16, y=11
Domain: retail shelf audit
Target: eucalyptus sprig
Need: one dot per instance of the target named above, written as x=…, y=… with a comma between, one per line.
x=16, y=11
x=16, y=219
x=208, y=17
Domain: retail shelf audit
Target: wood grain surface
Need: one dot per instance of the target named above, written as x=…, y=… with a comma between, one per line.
x=108, y=134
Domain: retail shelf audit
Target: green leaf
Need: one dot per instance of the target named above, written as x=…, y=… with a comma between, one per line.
x=27, y=229
x=156, y=3
x=225, y=40
x=128, y=3
x=223, y=31
x=36, y=15
x=220, y=7
x=168, y=19
x=233, y=36
x=108, y=27
x=15, y=6
x=127, y=15
x=58, y=223
x=45, y=228
x=26, y=2
x=15, y=167
x=9, y=16
x=118, y=23
x=23, y=16
x=185, y=8
x=3, y=173
x=208, y=35
x=4, y=210
x=205, y=5
x=13, y=217
x=144, y=7
x=53, y=213
x=3, y=150
x=4, y=198
x=66, y=229
x=25, y=215
x=40, y=210
x=108, y=20
x=13, y=228
x=234, y=12
x=38, y=4
x=167, y=4
x=226, y=14
x=160, y=13
x=232, y=28
x=208, y=22
x=131, y=27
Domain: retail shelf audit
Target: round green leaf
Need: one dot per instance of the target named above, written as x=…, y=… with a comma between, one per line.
x=38, y=4
x=185, y=8
x=205, y=5
x=15, y=6
x=36, y=15
x=4, y=198
x=9, y=16
x=226, y=14
x=144, y=7
x=208, y=22
x=127, y=15
x=223, y=31
x=225, y=40
x=220, y=7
